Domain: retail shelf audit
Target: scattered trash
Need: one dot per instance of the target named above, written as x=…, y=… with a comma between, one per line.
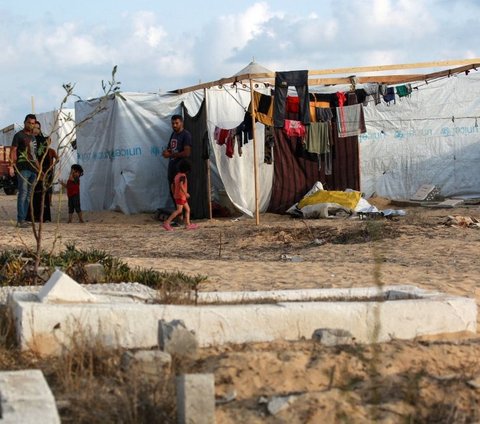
x=475, y=383
x=289, y=258
x=460, y=221
x=280, y=403
x=229, y=397
x=262, y=400
x=387, y=213
x=319, y=242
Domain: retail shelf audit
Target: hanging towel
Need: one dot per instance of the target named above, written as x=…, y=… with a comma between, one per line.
x=350, y=120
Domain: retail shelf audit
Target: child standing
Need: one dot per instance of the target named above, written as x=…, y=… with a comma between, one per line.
x=180, y=193
x=73, y=192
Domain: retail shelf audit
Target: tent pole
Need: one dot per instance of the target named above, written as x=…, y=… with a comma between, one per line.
x=207, y=163
x=255, y=162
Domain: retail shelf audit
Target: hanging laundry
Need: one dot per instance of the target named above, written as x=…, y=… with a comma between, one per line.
x=220, y=135
x=314, y=104
x=341, y=98
x=293, y=104
x=226, y=137
x=263, y=108
x=404, y=90
x=298, y=79
x=294, y=128
x=230, y=144
x=373, y=93
x=269, y=143
x=389, y=95
x=350, y=120
x=318, y=139
x=361, y=95
x=323, y=114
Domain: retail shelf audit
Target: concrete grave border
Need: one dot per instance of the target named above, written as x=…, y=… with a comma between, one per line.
x=407, y=313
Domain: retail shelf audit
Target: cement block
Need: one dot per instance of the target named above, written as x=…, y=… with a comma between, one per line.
x=280, y=403
x=151, y=363
x=61, y=288
x=332, y=336
x=176, y=339
x=26, y=398
x=196, y=399
x=95, y=273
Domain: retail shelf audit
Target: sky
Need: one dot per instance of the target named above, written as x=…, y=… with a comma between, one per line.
x=163, y=45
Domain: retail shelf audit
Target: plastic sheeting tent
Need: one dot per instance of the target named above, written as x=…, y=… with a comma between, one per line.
x=120, y=150
x=60, y=126
x=430, y=137
x=407, y=144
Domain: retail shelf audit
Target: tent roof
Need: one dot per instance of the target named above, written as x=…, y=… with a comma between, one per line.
x=253, y=68
x=467, y=64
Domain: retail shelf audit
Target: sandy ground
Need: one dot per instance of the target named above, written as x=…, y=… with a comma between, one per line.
x=414, y=381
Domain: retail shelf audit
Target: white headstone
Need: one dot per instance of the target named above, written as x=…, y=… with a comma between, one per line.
x=62, y=288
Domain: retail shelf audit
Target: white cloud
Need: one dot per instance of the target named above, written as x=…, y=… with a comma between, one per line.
x=146, y=30
x=69, y=45
x=42, y=52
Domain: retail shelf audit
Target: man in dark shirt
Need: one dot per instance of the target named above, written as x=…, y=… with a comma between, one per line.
x=179, y=147
x=24, y=161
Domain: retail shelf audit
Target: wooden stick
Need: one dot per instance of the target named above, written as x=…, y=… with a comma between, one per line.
x=267, y=77
x=207, y=163
x=255, y=163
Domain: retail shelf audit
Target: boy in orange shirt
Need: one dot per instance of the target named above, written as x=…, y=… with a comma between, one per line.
x=180, y=193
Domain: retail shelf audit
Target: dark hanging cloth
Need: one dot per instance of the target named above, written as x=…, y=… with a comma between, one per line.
x=389, y=95
x=295, y=174
x=298, y=79
x=269, y=143
x=197, y=178
x=346, y=157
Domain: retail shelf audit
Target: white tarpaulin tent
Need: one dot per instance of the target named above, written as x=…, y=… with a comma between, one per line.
x=60, y=126
x=429, y=137
x=226, y=109
x=120, y=150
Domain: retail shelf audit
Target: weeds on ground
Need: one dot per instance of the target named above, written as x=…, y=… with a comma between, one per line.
x=16, y=269
x=91, y=386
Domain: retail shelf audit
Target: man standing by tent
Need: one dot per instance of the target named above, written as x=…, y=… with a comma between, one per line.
x=179, y=147
x=23, y=158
